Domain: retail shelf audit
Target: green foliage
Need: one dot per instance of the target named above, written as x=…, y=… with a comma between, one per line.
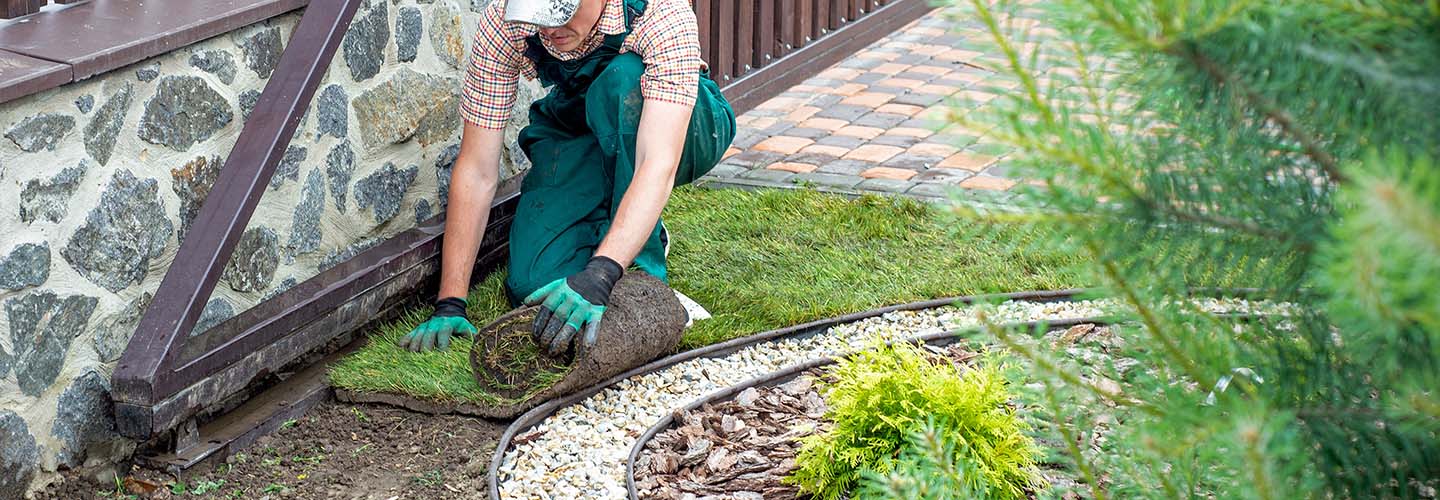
x=1285, y=146
x=881, y=396
x=930, y=467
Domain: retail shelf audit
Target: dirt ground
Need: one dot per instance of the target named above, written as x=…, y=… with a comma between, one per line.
x=336, y=451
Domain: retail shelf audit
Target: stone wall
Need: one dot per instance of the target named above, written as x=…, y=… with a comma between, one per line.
x=101, y=179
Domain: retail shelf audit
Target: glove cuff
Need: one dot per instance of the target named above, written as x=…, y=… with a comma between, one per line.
x=452, y=306
x=595, y=282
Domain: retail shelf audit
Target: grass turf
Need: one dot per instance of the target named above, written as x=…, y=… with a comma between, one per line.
x=759, y=261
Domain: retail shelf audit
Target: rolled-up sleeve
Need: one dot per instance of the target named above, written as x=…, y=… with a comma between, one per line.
x=496, y=57
x=667, y=38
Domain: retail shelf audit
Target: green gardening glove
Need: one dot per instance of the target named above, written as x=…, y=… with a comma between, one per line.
x=448, y=319
x=574, y=304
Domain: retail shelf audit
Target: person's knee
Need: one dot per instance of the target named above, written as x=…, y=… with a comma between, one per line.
x=615, y=95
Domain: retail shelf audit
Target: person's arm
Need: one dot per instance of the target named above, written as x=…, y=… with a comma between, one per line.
x=658, y=145
x=472, y=188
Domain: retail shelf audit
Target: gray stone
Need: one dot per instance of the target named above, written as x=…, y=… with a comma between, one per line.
x=18, y=455
x=104, y=127
x=85, y=103
x=216, y=62
x=113, y=332
x=443, y=166
x=84, y=418
x=42, y=131
x=289, y=167
x=49, y=200
x=248, y=99
x=339, y=165
x=479, y=5
x=192, y=183
x=447, y=34
x=252, y=264
x=407, y=33
x=42, y=326
x=409, y=105
x=305, y=231
x=280, y=288
x=216, y=311
x=184, y=111
x=884, y=185
x=27, y=265
x=423, y=211
x=364, y=45
x=148, y=73
x=334, y=111
x=262, y=51
x=383, y=190
x=335, y=257
x=122, y=235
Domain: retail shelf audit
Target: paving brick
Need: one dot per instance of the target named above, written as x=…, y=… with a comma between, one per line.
x=766, y=174
x=846, y=90
x=918, y=99
x=868, y=99
x=881, y=121
x=890, y=68
x=869, y=78
x=930, y=190
x=783, y=144
x=876, y=54
x=824, y=123
x=896, y=186
x=844, y=141
x=975, y=96
x=859, y=63
x=899, y=174
x=822, y=149
x=921, y=132
x=918, y=163
x=860, y=131
x=1005, y=169
x=959, y=55
x=990, y=148
x=902, y=141
x=845, y=112
x=745, y=138
x=904, y=83
x=839, y=73
x=937, y=89
x=911, y=58
x=731, y=151
x=826, y=100
x=958, y=140
x=723, y=171
x=801, y=113
x=846, y=167
x=947, y=176
x=927, y=69
x=919, y=76
x=967, y=161
x=933, y=149
x=808, y=133
x=826, y=179
x=900, y=109
x=987, y=182
x=792, y=167
x=874, y=153
x=780, y=103
x=754, y=158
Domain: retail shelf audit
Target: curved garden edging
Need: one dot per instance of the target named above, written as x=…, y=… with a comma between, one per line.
x=540, y=413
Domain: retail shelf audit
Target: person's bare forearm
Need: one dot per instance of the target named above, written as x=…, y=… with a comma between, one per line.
x=472, y=189
x=659, y=143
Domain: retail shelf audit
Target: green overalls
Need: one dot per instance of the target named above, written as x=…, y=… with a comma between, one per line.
x=581, y=144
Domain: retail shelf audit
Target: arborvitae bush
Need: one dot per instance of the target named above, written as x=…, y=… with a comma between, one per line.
x=879, y=398
x=1289, y=147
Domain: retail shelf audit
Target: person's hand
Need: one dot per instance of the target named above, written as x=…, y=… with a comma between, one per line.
x=570, y=305
x=447, y=320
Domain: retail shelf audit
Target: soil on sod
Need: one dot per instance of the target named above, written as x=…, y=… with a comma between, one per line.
x=337, y=451
x=508, y=362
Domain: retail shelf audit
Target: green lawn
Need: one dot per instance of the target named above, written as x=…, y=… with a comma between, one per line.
x=759, y=261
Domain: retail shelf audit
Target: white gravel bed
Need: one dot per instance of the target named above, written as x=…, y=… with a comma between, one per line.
x=580, y=451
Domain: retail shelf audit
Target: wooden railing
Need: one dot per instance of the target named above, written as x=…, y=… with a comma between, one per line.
x=10, y=9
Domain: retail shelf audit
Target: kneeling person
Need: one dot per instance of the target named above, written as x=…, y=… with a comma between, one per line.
x=631, y=114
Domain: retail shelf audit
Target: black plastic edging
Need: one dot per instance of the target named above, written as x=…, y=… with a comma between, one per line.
x=786, y=374
x=539, y=413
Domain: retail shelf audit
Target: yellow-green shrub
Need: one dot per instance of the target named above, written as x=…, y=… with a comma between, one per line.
x=882, y=396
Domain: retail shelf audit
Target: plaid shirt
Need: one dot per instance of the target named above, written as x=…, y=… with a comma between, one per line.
x=666, y=37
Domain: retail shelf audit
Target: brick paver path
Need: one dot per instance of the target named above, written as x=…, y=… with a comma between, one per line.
x=875, y=123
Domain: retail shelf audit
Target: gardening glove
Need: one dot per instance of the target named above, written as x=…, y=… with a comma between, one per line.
x=448, y=319
x=574, y=304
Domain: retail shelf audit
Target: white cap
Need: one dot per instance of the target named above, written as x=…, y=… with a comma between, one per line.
x=543, y=13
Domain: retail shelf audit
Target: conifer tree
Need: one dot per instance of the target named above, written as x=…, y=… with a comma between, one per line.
x=1287, y=147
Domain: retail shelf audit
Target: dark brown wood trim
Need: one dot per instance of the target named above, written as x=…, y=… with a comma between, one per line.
x=142, y=376
x=795, y=67
x=24, y=75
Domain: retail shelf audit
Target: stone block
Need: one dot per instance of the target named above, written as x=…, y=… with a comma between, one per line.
x=40, y=132
x=192, y=184
x=19, y=457
x=216, y=311
x=104, y=127
x=84, y=418
x=364, y=46
x=122, y=236
x=339, y=165
x=27, y=265
x=305, y=232
x=184, y=110
x=42, y=327
x=216, y=62
x=408, y=26
x=383, y=190
x=334, y=111
x=409, y=105
x=113, y=332
x=253, y=262
x=49, y=200
x=289, y=167
x=262, y=51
